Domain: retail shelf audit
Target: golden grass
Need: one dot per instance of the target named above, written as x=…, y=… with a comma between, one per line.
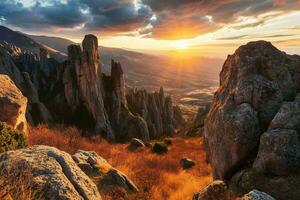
x=158, y=177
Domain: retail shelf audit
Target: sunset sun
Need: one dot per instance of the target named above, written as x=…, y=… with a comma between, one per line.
x=182, y=44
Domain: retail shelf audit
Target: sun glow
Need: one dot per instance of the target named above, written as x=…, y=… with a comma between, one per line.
x=182, y=44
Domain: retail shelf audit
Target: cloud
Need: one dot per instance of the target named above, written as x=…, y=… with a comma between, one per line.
x=233, y=37
x=165, y=19
x=186, y=19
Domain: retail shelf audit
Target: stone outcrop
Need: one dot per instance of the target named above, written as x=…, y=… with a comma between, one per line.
x=253, y=122
x=82, y=84
x=161, y=115
x=102, y=173
x=53, y=173
x=12, y=104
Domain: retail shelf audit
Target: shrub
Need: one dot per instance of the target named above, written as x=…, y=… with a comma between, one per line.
x=11, y=139
x=160, y=148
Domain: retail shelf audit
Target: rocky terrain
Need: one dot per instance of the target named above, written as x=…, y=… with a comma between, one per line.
x=252, y=128
x=59, y=92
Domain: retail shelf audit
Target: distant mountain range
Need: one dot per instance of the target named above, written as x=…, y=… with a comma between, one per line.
x=191, y=80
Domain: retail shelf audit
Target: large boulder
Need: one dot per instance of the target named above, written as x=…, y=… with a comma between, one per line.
x=254, y=120
x=53, y=173
x=12, y=104
x=102, y=173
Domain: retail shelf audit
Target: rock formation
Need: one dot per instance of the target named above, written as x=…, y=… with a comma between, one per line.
x=158, y=111
x=252, y=129
x=75, y=92
x=12, y=104
x=53, y=173
x=126, y=125
x=82, y=84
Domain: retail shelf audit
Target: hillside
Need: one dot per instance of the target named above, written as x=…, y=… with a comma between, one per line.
x=21, y=40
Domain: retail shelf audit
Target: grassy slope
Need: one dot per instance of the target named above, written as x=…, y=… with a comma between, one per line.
x=158, y=177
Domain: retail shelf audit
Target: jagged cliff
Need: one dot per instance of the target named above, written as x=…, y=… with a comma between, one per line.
x=76, y=92
x=252, y=129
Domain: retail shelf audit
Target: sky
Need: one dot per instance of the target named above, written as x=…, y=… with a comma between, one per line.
x=196, y=27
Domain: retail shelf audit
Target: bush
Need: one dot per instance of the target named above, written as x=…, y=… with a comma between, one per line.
x=11, y=139
x=160, y=148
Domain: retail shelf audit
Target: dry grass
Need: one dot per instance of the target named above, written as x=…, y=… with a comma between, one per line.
x=157, y=176
x=15, y=183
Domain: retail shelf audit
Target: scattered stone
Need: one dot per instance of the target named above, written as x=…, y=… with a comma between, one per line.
x=102, y=173
x=168, y=141
x=160, y=148
x=257, y=195
x=187, y=163
x=54, y=173
x=217, y=190
x=135, y=144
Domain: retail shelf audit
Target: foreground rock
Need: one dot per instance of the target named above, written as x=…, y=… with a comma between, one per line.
x=53, y=173
x=12, y=104
x=102, y=173
x=252, y=129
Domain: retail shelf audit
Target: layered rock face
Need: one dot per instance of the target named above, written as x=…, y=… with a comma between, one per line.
x=253, y=122
x=12, y=104
x=161, y=115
